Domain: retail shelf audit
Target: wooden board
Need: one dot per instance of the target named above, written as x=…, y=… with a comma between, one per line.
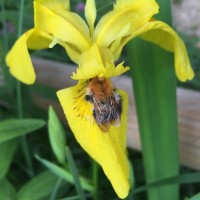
x=57, y=75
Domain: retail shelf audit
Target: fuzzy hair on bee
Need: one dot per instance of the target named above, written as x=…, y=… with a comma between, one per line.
x=107, y=103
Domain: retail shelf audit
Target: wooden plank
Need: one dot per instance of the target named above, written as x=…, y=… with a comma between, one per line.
x=57, y=75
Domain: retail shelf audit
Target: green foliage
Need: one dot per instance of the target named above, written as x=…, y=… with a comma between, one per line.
x=7, y=149
x=57, y=136
x=74, y=171
x=181, y=179
x=38, y=187
x=10, y=129
x=7, y=190
x=65, y=174
x=195, y=197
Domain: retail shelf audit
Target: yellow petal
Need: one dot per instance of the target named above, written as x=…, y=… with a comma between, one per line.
x=116, y=71
x=99, y=62
x=91, y=64
x=163, y=35
x=39, y=40
x=126, y=17
x=61, y=5
x=54, y=18
x=108, y=149
x=18, y=58
x=90, y=14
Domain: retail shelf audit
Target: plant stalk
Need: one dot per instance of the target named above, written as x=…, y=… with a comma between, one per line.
x=24, y=141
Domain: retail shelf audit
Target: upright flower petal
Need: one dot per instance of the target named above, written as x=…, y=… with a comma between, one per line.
x=97, y=61
x=90, y=14
x=108, y=149
x=18, y=58
x=126, y=17
x=55, y=19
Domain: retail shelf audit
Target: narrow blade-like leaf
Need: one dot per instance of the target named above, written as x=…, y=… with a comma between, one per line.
x=66, y=174
x=154, y=84
x=181, y=179
x=56, y=136
x=195, y=197
x=7, y=149
x=7, y=190
x=38, y=187
x=74, y=171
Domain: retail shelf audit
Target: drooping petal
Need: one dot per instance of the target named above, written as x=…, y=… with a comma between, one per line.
x=54, y=18
x=164, y=36
x=90, y=14
x=108, y=149
x=18, y=58
x=126, y=17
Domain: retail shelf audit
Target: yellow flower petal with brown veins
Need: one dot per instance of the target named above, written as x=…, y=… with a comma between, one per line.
x=108, y=149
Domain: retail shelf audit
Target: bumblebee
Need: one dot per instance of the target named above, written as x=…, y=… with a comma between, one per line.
x=107, y=103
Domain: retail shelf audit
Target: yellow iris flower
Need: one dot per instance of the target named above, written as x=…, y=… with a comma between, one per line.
x=95, y=49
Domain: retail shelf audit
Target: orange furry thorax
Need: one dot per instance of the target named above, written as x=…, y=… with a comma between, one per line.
x=101, y=88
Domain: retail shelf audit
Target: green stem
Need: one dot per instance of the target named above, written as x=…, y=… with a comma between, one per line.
x=20, y=22
x=5, y=34
x=55, y=189
x=19, y=100
x=24, y=141
x=5, y=41
x=95, y=171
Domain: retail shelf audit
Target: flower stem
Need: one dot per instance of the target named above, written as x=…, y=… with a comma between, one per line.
x=19, y=100
x=55, y=189
x=5, y=35
x=95, y=171
x=24, y=141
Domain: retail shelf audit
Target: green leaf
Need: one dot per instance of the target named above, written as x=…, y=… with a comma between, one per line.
x=71, y=198
x=56, y=136
x=7, y=190
x=155, y=96
x=7, y=149
x=181, y=179
x=55, y=189
x=132, y=177
x=38, y=187
x=74, y=171
x=66, y=174
x=195, y=197
x=154, y=83
x=13, y=128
